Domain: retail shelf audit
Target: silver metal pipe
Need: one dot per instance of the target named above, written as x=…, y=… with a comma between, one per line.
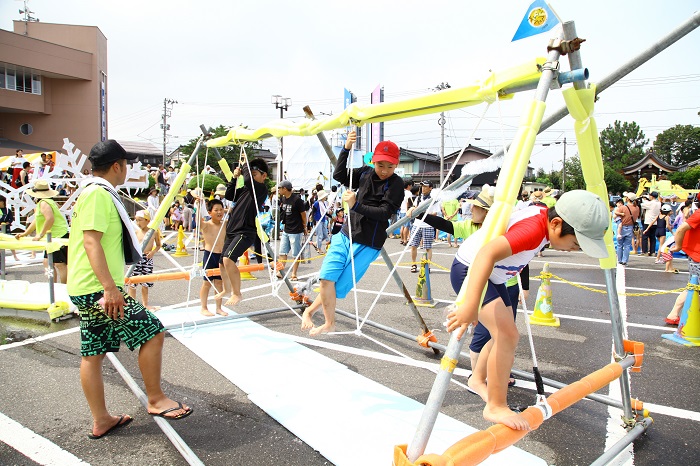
x=50, y=270
x=167, y=429
x=2, y=256
x=631, y=436
x=219, y=319
x=618, y=336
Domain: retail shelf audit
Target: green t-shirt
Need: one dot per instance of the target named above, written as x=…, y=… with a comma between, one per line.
x=451, y=207
x=60, y=224
x=94, y=210
x=549, y=201
x=464, y=228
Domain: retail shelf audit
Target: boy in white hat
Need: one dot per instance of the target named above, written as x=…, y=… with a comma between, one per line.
x=145, y=265
x=578, y=221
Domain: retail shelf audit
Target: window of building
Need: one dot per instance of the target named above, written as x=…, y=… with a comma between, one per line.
x=26, y=129
x=19, y=79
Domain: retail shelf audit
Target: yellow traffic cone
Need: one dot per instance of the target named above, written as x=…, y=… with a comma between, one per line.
x=688, y=333
x=543, y=315
x=423, y=296
x=245, y=261
x=181, y=251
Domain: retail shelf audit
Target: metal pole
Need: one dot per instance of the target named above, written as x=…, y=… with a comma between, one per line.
x=666, y=41
x=50, y=271
x=219, y=319
x=322, y=138
x=618, y=335
x=632, y=435
x=3, y=263
x=563, y=170
x=454, y=347
x=441, y=122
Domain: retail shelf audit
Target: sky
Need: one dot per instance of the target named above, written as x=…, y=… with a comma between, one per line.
x=222, y=60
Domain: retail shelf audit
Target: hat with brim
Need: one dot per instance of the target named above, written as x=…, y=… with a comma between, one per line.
x=588, y=216
x=220, y=190
x=630, y=196
x=42, y=190
x=483, y=200
x=386, y=151
x=322, y=195
x=107, y=152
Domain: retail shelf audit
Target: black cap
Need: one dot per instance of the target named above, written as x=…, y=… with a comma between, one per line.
x=654, y=194
x=109, y=151
x=427, y=183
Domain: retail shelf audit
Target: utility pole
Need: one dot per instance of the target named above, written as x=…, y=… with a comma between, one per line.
x=563, y=169
x=441, y=122
x=167, y=107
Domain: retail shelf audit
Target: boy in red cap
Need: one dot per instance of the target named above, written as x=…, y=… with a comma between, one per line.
x=378, y=196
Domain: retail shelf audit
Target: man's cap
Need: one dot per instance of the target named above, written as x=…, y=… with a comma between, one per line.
x=322, y=195
x=153, y=189
x=547, y=190
x=666, y=208
x=220, y=189
x=426, y=183
x=109, y=151
x=589, y=216
x=286, y=184
x=42, y=190
x=630, y=196
x=144, y=214
x=655, y=194
x=484, y=199
x=386, y=151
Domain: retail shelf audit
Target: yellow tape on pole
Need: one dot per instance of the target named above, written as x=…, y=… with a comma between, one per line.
x=509, y=181
x=168, y=200
x=355, y=114
x=581, y=105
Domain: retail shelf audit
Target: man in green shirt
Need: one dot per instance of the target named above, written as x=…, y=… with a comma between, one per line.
x=101, y=236
x=49, y=219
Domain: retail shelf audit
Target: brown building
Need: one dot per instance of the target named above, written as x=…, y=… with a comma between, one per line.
x=53, y=85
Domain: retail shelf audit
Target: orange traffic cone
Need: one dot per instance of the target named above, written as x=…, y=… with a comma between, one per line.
x=245, y=261
x=688, y=333
x=423, y=296
x=542, y=314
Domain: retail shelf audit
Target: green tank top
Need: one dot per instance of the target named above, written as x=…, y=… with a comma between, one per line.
x=60, y=224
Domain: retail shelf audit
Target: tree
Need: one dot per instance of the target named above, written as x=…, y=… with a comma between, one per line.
x=622, y=144
x=574, y=174
x=678, y=145
x=230, y=153
x=687, y=179
x=615, y=181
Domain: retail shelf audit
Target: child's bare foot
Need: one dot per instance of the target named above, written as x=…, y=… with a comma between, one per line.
x=205, y=312
x=306, y=322
x=503, y=415
x=325, y=328
x=234, y=299
x=478, y=386
x=153, y=308
x=221, y=312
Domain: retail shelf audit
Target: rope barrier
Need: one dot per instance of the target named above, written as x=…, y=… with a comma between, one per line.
x=594, y=290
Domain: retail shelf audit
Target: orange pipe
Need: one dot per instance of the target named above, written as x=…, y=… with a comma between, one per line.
x=478, y=446
x=161, y=277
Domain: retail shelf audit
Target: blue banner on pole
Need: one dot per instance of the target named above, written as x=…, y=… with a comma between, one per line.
x=539, y=18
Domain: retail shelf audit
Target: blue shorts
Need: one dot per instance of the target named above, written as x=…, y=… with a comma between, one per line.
x=291, y=243
x=337, y=266
x=211, y=260
x=481, y=335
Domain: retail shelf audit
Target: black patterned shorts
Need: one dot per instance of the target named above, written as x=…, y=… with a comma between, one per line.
x=143, y=267
x=100, y=334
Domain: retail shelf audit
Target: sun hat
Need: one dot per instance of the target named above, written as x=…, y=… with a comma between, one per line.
x=220, y=189
x=143, y=214
x=322, y=195
x=589, y=216
x=630, y=196
x=484, y=199
x=42, y=190
x=386, y=151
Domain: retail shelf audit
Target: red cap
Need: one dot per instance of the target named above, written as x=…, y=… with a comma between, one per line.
x=386, y=151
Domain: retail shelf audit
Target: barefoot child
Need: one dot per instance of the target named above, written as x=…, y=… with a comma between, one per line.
x=379, y=195
x=240, y=228
x=214, y=233
x=577, y=221
x=145, y=265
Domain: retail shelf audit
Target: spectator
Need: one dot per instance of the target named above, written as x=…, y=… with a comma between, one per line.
x=629, y=216
x=293, y=216
x=421, y=230
x=652, y=208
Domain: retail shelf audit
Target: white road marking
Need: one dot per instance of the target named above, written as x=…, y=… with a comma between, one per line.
x=34, y=446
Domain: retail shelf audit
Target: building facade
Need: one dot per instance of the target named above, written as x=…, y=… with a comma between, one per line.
x=53, y=85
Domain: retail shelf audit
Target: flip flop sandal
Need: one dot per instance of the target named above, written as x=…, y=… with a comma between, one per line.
x=170, y=410
x=113, y=428
x=414, y=268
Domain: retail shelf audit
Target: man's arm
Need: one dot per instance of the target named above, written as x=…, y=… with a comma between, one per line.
x=113, y=299
x=679, y=236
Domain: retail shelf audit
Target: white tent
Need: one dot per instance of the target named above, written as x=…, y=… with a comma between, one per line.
x=309, y=165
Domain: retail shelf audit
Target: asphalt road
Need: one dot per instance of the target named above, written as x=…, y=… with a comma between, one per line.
x=41, y=388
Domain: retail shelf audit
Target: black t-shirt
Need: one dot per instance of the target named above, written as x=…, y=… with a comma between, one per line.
x=242, y=218
x=292, y=209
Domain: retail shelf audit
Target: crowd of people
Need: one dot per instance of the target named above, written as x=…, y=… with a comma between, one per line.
x=350, y=230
